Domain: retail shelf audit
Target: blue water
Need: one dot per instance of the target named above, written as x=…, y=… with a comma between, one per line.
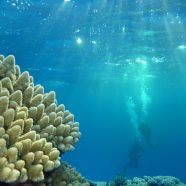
x=114, y=64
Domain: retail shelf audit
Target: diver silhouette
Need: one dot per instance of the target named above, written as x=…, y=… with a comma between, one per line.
x=139, y=146
x=145, y=132
x=134, y=155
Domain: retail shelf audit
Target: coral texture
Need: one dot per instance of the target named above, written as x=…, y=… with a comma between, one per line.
x=155, y=181
x=149, y=181
x=64, y=175
x=34, y=129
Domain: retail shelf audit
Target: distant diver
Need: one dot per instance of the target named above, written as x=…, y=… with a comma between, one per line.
x=145, y=132
x=134, y=155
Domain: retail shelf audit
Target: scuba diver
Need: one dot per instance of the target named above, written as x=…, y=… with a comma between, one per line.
x=134, y=155
x=145, y=132
x=138, y=147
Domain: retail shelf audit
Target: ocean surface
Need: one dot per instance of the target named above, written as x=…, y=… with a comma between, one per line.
x=120, y=67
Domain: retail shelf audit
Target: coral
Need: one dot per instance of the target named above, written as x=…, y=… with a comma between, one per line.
x=148, y=181
x=162, y=181
x=120, y=180
x=64, y=175
x=34, y=129
x=155, y=181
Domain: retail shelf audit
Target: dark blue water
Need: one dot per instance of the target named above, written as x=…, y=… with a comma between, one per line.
x=114, y=64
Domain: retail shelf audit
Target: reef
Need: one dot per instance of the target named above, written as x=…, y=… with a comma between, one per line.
x=146, y=181
x=64, y=175
x=34, y=129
